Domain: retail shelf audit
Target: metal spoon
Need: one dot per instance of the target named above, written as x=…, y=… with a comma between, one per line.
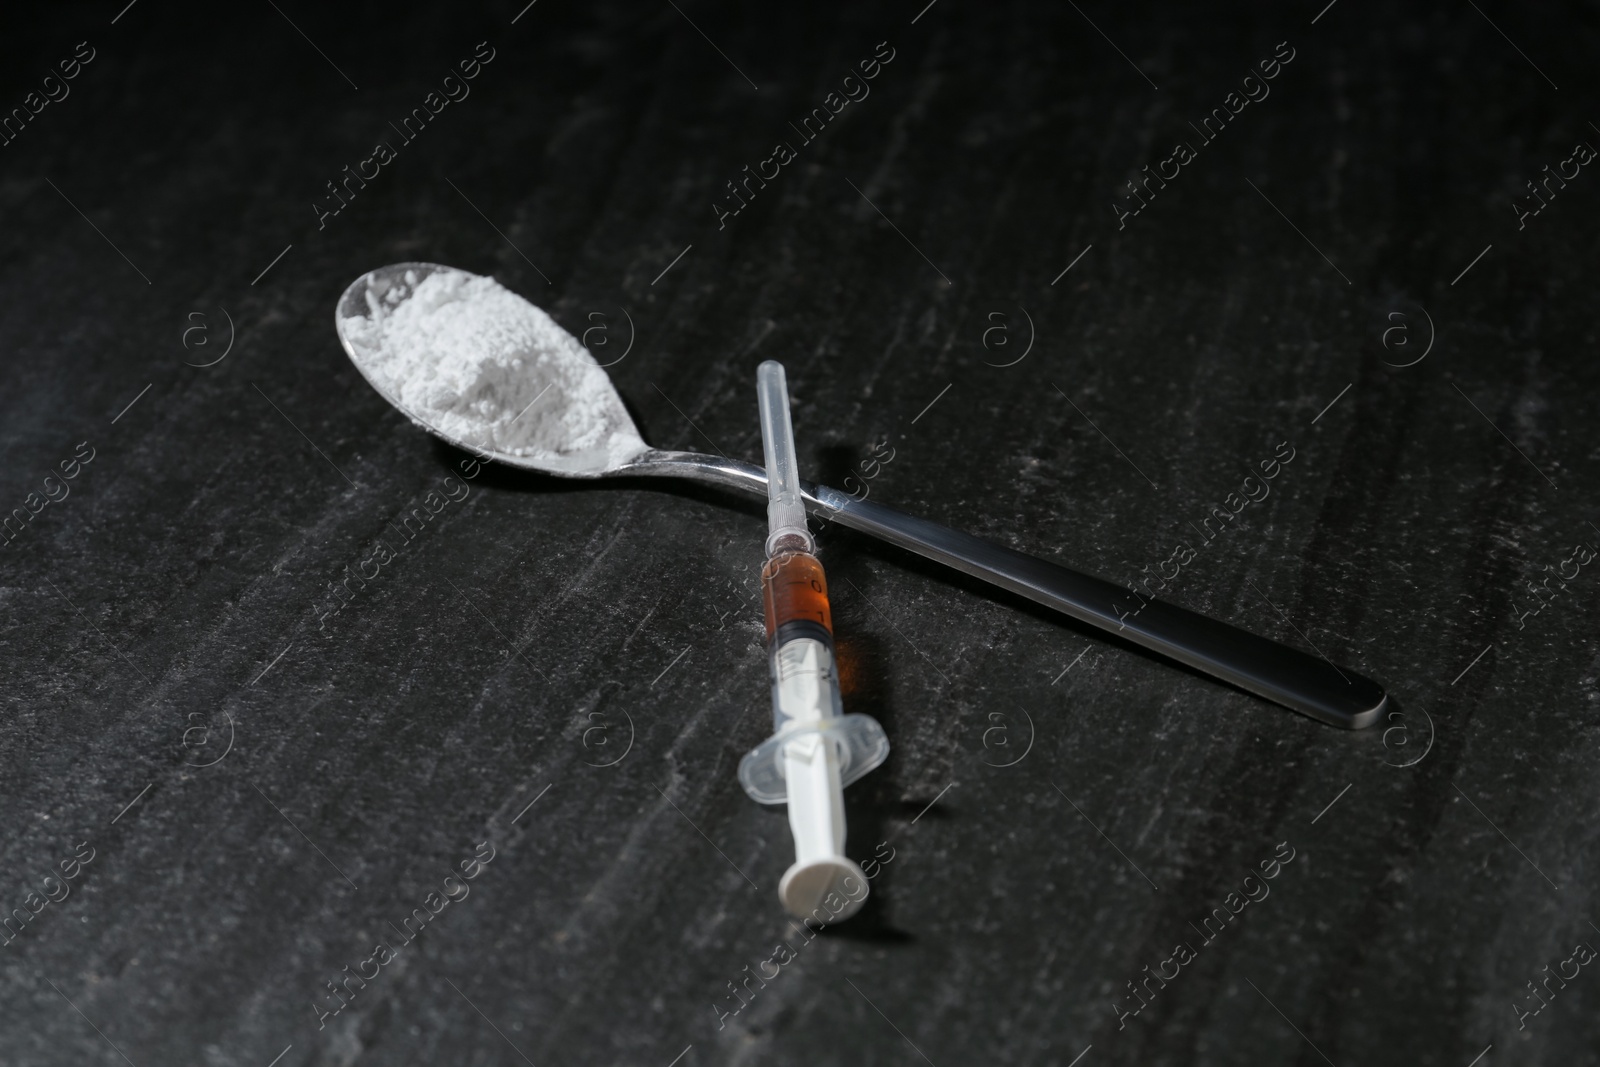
x=1305, y=683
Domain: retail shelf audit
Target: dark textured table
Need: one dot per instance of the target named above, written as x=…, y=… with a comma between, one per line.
x=265, y=803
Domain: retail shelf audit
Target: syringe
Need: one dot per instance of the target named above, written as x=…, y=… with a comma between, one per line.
x=815, y=749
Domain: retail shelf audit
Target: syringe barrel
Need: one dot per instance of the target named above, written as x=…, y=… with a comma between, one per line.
x=786, y=508
x=805, y=679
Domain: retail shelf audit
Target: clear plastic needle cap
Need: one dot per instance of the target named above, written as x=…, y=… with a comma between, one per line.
x=786, y=508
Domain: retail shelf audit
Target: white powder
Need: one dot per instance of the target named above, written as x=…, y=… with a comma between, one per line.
x=488, y=368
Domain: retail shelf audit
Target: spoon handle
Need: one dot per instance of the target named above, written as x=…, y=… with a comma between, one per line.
x=1305, y=683
x=1297, y=680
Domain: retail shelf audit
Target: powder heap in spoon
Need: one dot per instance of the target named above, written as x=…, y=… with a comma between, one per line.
x=488, y=368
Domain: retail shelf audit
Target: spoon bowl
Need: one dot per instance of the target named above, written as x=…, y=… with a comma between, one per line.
x=381, y=292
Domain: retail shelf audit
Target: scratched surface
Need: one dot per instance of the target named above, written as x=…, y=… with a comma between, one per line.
x=230, y=772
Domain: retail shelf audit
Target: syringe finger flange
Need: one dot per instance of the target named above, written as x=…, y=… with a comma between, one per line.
x=859, y=739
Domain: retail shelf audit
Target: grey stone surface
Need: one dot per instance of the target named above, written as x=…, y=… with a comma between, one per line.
x=268, y=793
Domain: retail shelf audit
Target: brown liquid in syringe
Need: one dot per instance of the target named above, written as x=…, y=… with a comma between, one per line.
x=794, y=588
